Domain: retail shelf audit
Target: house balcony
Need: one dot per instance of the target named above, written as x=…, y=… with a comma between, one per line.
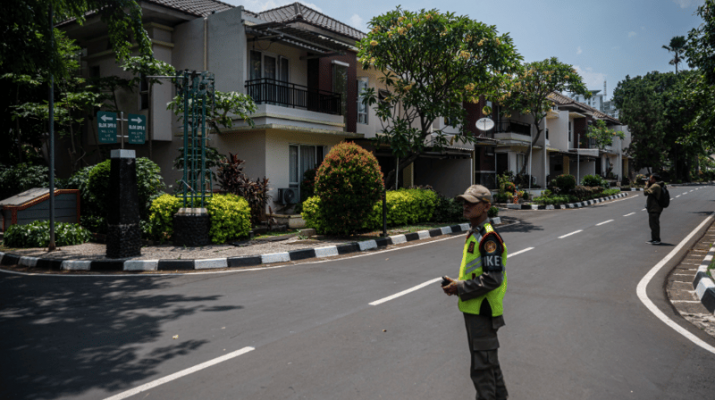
x=512, y=133
x=286, y=94
x=290, y=107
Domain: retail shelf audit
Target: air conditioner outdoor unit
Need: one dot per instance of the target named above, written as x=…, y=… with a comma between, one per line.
x=288, y=196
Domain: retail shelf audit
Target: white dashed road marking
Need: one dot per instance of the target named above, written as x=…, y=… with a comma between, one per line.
x=629, y=214
x=678, y=196
x=519, y=252
x=179, y=374
x=604, y=222
x=404, y=292
x=569, y=234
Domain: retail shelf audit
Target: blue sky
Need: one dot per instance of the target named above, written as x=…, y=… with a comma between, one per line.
x=604, y=40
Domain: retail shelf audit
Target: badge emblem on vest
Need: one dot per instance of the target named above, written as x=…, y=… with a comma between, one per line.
x=490, y=247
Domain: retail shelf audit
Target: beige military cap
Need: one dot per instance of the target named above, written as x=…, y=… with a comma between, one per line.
x=475, y=194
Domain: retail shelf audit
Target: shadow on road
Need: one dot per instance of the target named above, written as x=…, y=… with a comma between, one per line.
x=68, y=336
x=521, y=226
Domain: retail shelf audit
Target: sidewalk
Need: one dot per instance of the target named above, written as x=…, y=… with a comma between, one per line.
x=680, y=285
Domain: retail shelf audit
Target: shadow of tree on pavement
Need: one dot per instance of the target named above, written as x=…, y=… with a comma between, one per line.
x=64, y=336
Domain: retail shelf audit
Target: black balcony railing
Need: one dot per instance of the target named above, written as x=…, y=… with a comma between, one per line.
x=508, y=126
x=271, y=91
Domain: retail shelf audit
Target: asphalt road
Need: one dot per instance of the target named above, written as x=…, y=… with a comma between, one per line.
x=575, y=327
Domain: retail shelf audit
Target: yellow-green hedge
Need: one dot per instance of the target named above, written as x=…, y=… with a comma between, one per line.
x=230, y=217
x=404, y=207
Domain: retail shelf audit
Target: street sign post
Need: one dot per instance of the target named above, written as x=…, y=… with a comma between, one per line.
x=136, y=128
x=107, y=126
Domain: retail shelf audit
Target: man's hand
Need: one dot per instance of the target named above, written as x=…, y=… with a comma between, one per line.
x=451, y=288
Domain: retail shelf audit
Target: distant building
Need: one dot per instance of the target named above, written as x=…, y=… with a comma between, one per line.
x=598, y=102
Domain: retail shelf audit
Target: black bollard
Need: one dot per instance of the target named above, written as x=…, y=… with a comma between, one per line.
x=123, y=231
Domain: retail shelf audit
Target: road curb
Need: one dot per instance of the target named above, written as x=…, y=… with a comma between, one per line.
x=7, y=259
x=703, y=283
x=565, y=206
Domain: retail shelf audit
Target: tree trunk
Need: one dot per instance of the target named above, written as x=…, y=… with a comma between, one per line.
x=404, y=163
x=528, y=155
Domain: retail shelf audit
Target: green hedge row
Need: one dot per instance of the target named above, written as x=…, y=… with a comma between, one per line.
x=37, y=234
x=404, y=207
x=230, y=217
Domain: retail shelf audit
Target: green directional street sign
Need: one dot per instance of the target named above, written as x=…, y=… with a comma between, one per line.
x=137, y=128
x=107, y=126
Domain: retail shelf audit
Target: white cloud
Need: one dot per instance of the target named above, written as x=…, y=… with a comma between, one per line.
x=592, y=80
x=688, y=3
x=578, y=50
x=263, y=5
x=356, y=22
x=631, y=34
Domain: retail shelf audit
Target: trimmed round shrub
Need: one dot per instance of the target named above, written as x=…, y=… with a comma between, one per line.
x=230, y=217
x=161, y=217
x=37, y=234
x=80, y=180
x=348, y=182
x=149, y=185
x=565, y=183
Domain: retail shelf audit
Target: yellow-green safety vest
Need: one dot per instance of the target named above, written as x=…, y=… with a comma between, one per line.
x=472, y=264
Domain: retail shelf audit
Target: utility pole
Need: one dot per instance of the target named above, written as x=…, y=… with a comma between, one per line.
x=51, y=245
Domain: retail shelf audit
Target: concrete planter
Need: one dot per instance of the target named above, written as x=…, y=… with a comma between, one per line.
x=292, y=221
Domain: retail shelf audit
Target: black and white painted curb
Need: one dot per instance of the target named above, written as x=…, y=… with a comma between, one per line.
x=703, y=283
x=565, y=206
x=230, y=262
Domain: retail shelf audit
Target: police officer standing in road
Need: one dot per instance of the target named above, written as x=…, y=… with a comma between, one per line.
x=653, y=189
x=480, y=287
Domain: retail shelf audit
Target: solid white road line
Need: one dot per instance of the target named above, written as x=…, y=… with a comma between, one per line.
x=420, y=286
x=404, y=292
x=179, y=374
x=569, y=234
x=519, y=252
x=604, y=222
x=629, y=214
x=643, y=296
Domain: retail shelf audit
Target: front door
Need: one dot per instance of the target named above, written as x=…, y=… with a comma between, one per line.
x=502, y=163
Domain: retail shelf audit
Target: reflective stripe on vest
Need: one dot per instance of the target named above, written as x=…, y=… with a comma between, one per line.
x=472, y=264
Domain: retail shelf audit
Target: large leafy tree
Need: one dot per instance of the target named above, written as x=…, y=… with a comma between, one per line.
x=657, y=109
x=26, y=42
x=532, y=87
x=431, y=63
x=677, y=47
x=28, y=57
x=74, y=97
x=701, y=55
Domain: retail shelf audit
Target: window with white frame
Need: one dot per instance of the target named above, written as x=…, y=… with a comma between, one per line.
x=361, y=107
x=302, y=158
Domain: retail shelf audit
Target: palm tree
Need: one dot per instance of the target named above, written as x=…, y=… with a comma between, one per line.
x=677, y=46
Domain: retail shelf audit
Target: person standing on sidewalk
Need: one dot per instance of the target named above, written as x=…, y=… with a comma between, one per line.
x=480, y=288
x=653, y=189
